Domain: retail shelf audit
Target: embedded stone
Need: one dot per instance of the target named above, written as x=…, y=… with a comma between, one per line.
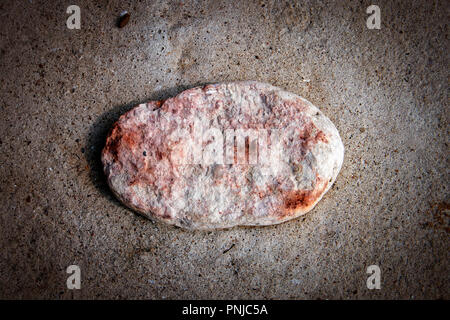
x=223, y=155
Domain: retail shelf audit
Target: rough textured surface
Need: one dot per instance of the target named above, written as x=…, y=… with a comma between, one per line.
x=223, y=155
x=385, y=90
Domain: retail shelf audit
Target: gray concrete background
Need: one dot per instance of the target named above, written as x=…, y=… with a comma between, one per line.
x=386, y=91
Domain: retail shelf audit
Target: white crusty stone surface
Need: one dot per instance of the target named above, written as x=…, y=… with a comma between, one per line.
x=184, y=161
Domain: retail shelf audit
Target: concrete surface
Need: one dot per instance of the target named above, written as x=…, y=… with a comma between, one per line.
x=386, y=90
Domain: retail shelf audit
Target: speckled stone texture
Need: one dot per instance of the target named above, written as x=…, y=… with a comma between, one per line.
x=385, y=90
x=241, y=153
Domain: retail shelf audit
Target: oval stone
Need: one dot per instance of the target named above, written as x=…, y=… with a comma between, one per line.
x=222, y=155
